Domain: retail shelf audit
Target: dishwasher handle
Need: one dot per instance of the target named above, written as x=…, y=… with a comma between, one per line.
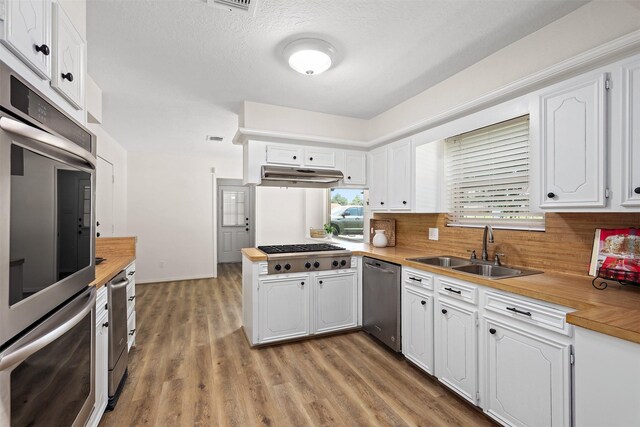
x=380, y=269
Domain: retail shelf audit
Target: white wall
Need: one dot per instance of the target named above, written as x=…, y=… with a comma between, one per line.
x=170, y=206
x=110, y=150
x=284, y=215
x=587, y=27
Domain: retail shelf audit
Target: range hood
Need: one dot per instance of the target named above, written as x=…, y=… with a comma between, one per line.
x=279, y=176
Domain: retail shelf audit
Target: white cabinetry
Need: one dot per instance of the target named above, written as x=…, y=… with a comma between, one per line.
x=355, y=168
x=26, y=30
x=101, y=357
x=283, y=308
x=417, y=318
x=390, y=177
x=68, y=63
x=573, y=136
x=131, y=305
x=336, y=299
x=631, y=135
x=528, y=377
x=284, y=155
x=457, y=347
x=319, y=158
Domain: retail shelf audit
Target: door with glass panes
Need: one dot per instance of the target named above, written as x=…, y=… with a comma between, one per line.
x=234, y=220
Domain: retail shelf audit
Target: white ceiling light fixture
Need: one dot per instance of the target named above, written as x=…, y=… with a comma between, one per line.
x=309, y=56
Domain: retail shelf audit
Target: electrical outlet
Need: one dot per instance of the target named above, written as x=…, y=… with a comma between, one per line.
x=433, y=234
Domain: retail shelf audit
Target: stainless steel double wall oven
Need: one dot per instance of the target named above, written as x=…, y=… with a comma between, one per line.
x=47, y=228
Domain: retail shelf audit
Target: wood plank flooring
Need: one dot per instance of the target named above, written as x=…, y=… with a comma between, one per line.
x=193, y=367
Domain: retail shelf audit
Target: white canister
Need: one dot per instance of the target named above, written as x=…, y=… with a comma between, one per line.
x=380, y=239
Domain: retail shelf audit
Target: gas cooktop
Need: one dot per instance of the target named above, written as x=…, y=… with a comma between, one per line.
x=291, y=249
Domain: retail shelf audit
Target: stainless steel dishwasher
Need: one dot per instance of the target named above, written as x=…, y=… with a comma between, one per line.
x=118, y=355
x=381, y=301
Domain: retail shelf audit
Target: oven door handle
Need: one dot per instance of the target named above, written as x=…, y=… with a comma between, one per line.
x=49, y=334
x=119, y=285
x=21, y=129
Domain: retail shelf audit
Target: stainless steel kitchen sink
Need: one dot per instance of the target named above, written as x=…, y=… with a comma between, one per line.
x=475, y=267
x=442, y=261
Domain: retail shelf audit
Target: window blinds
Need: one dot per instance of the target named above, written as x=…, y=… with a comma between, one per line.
x=487, y=176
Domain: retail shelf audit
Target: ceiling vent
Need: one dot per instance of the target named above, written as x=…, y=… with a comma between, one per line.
x=213, y=138
x=246, y=6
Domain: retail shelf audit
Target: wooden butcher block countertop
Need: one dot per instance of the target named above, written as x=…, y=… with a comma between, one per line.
x=118, y=253
x=614, y=311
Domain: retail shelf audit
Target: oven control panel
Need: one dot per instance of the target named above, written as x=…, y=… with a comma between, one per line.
x=298, y=265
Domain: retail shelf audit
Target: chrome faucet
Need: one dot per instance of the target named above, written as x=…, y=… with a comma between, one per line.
x=487, y=228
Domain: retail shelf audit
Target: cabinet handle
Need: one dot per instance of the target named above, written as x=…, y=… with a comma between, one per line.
x=423, y=302
x=382, y=203
x=67, y=76
x=131, y=332
x=301, y=283
x=132, y=298
x=311, y=159
x=105, y=325
x=453, y=290
x=131, y=273
x=637, y=190
x=416, y=279
x=492, y=331
x=515, y=310
x=321, y=282
x=551, y=195
x=404, y=202
x=444, y=311
x=349, y=177
x=43, y=49
x=295, y=157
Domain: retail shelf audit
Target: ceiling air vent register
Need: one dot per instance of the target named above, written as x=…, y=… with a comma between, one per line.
x=246, y=6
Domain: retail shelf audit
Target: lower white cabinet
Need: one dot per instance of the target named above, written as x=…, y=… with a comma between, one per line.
x=101, y=357
x=417, y=327
x=456, y=345
x=283, y=308
x=336, y=299
x=528, y=377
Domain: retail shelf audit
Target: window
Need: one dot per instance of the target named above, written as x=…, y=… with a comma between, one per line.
x=346, y=206
x=487, y=177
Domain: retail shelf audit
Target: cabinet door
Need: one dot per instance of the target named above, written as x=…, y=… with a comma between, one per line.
x=573, y=145
x=320, y=158
x=417, y=328
x=399, y=190
x=355, y=169
x=27, y=24
x=68, y=64
x=378, y=180
x=457, y=349
x=284, y=155
x=336, y=301
x=528, y=378
x=284, y=308
x=102, y=366
x=631, y=135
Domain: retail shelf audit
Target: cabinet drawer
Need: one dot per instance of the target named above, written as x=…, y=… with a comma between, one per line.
x=284, y=155
x=131, y=330
x=131, y=298
x=131, y=271
x=529, y=312
x=320, y=158
x=417, y=278
x=101, y=301
x=459, y=290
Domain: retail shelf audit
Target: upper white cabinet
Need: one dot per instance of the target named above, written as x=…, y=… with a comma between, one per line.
x=631, y=135
x=573, y=136
x=68, y=63
x=320, y=158
x=284, y=155
x=336, y=299
x=26, y=30
x=390, y=177
x=355, y=168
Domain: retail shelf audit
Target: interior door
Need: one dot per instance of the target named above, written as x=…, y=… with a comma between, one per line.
x=234, y=222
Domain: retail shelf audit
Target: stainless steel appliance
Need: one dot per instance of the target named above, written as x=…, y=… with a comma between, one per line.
x=118, y=354
x=47, y=183
x=305, y=257
x=47, y=318
x=47, y=375
x=381, y=301
x=284, y=176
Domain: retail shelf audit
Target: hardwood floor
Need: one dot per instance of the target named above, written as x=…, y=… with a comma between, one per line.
x=193, y=366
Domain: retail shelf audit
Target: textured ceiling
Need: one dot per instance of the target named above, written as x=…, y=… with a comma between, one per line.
x=174, y=71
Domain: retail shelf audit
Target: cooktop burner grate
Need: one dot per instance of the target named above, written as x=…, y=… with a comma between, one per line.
x=289, y=249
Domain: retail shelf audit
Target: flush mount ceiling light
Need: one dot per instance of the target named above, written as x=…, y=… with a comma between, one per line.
x=309, y=56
